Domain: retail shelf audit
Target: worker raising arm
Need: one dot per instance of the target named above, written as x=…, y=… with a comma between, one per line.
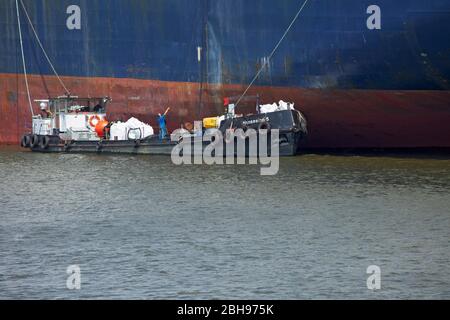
x=162, y=124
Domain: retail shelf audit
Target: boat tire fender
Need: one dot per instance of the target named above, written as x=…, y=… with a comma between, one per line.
x=264, y=126
x=44, y=142
x=25, y=142
x=34, y=141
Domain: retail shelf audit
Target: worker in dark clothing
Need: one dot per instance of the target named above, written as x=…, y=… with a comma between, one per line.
x=45, y=111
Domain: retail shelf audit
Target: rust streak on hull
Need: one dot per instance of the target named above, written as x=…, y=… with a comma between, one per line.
x=336, y=118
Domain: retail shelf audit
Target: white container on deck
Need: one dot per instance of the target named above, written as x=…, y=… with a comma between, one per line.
x=133, y=129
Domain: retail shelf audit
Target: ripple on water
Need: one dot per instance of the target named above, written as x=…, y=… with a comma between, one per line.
x=140, y=227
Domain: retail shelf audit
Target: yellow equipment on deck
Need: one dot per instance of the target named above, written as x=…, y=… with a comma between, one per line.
x=211, y=123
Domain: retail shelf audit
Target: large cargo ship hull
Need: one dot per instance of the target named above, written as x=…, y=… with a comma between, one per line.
x=359, y=84
x=336, y=118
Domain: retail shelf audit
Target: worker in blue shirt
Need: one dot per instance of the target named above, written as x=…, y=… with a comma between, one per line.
x=162, y=124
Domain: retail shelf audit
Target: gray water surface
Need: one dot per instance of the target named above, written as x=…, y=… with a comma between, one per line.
x=142, y=228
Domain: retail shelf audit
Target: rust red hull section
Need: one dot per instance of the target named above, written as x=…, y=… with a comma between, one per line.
x=336, y=118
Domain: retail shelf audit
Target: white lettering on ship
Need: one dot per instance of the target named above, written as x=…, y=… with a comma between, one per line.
x=74, y=20
x=374, y=21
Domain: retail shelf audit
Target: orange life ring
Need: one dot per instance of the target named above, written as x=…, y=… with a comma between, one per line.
x=91, y=120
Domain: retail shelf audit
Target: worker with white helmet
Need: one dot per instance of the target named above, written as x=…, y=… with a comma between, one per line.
x=44, y=109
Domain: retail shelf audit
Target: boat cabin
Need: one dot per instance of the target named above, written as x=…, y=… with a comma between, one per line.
x=70, y=117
